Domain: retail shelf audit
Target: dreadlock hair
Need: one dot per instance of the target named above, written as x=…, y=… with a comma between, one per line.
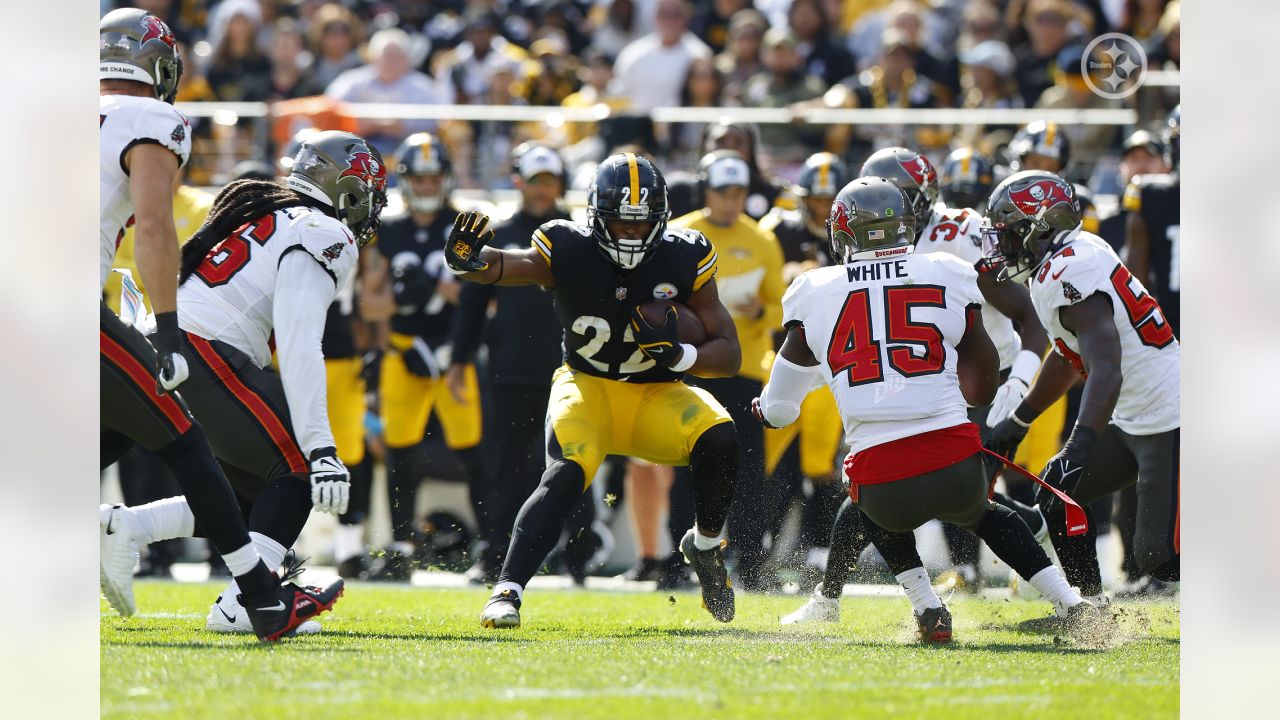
x=238, y=203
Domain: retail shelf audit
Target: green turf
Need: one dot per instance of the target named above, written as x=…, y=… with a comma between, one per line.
x=412, y=652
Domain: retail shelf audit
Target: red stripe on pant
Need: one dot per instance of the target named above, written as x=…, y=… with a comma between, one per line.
x=141, y=376
x=266, y=417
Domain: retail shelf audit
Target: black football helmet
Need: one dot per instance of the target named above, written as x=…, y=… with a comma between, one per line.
x=870, y=217
x=966, y=179
x=1027, y=217
x=423, y=154
x=627, y=187
x=1172, y=136
x=823, y=175
x=1040, y=138
x=911, y=172
x=136, y=45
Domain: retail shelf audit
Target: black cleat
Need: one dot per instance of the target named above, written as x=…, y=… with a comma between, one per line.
x=935, y=625
x=717, y=588
x=392, y=566
x=291, y=605
x=649, y=570
x=355, y=567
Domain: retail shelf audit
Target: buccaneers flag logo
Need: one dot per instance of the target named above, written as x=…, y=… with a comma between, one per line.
x=1044, y=194
x=369, y=170
x=840, y=220
x=921, y=170
x=156, y=30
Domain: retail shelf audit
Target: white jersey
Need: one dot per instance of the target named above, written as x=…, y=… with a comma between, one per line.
x=1150, y=359
x=885, y=333
x=959, y=232
x=230, y=296
x=125, y=121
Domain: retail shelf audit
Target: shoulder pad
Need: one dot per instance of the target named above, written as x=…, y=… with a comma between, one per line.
x=684, y=234
x=163, y=123
x=329, y=242
x=554, y=228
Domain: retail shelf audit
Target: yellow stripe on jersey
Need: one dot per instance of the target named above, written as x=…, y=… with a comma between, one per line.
x=542, y=244
x=706, y=270
x=1133, y=198
x=634, y=169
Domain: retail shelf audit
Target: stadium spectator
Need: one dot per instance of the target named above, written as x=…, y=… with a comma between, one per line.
x=1048, y=27
x=811, y=25
x=986, y=78
x=555, y=75
x=784, y=82
x=467, y=71
x=1165, y=47
x=931, y=62
x=741, y=59
x=288, y=54
x=710, y=21
x=618, y=23
x=703, y=87
x=193, y=86
x=867, y=38
x=596, y=74
x=979, y=23
x=1142, y=18
x=239, y=71
x=651, y=70
x=1088, y=142
x=334, y=38
x=388, y=78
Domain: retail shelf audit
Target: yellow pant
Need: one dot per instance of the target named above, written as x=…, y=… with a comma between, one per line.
x=345, y=393
x=407, y=401
x=659, y=422
x=818, y=428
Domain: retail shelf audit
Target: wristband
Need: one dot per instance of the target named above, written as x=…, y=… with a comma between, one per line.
x=1023, y=415
x=1025, y=366
x=167, y=322
x=688, y=357
x=1081, y=441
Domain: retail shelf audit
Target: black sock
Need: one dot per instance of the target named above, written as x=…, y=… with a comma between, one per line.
x=961, y=544
x=478, y=488
x=282, y=509
x=1079, y=554
x=541, y=521
x=213, y=503
x=402, y=490
x=848, y=539
x=1011, y=540
x=897, y=548
x=713, y=465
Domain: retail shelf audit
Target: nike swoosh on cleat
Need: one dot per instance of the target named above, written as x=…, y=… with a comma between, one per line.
x=230, y=618
x=110, y=520
x=278, y=606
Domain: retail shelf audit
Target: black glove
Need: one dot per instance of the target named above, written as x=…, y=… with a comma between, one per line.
x=468, y=237
x=171, y=366
x=1065, y=469
x=660, y=343
x=420, y=359
x=1006, y=436
x=412, y=286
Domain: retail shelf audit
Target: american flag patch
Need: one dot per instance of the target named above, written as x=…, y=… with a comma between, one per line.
x=875, y=234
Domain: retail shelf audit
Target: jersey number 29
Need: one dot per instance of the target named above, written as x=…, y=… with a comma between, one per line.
x=855, y=349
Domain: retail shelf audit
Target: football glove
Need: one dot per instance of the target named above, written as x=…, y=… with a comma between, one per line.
x=1010, y=394
x=412, y=286
x=421, y=360
x=1005, y=437
x=661, y=344
x=1064, y=470
x=330, y=482
x=171, y=366
x=469, y=236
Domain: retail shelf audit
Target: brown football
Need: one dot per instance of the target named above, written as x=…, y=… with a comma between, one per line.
x=688, y=327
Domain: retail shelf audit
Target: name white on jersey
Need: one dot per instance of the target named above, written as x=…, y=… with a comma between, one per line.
x=125, y=121
x=1150, y=358
x=958, y=231
x=230, y=296
x=885, y=334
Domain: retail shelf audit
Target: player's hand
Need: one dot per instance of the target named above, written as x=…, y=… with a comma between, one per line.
x=1005, y=437
x=759, y=414
x=1065, y=469
x=457, y=377
x=412, y=286
x=468, y=237
x=661, y=344
x=1010, y=394
x=421, y=360
x=171, y=366
x=330, y=482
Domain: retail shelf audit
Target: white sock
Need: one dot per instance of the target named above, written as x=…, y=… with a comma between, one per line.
x=271, y=552
x=703, y=542
x=517, y=587
x=919, y=591
x=1053, y=586
x=242, y=561
x=165, y=519
x=348, y=542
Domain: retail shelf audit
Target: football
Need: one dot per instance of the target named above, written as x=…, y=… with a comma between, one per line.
x=689, y=327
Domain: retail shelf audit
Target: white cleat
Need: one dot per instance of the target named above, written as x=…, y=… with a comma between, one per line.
x=118, y=531
x=228, y=616
x=502, y=611
x=819, y=608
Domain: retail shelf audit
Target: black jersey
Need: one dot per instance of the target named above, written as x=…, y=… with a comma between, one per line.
x=798, y=244
x=403, y=242
x=594, y=297
x=339, y=339
x=1156, y=199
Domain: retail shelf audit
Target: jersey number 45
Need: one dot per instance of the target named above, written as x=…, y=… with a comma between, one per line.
x=855, y=349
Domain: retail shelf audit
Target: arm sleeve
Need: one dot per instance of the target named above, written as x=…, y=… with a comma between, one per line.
x=468, y=321
x=788, y=385
x=304, y=291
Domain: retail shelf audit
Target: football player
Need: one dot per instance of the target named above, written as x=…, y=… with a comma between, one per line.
x=1153, y=226
x=965, y=179
x=1108, y=329
x=1041, y=145
x=144, y=142
x=898, y=336
x=262, y=273
x=620, y=390
x=412, y=382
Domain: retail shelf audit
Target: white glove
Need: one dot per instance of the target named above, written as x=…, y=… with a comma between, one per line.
x=1010, y=394
x=330, y=482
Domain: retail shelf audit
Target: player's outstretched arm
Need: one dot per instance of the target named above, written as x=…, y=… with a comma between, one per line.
x=720, y=355
x=1093, y=323
x=468, y=257
x=789, y=381
x=978, y=361
x=152, y=169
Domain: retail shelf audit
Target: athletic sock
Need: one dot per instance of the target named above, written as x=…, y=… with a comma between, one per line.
x=271, y=552
x=402, y=489
x=514, y=586
x=706, y=542
x=713, y=467
x=348, y=542
x=1053, y=586
x=541, y=521
x=279, y=514
x=848, y=540
x=1079, y=554
x=919, y=591
x=165, y=519
x=207, y=492
x=241, y=561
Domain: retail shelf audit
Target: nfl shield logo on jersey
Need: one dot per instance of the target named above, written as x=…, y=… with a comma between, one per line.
x=620, y=293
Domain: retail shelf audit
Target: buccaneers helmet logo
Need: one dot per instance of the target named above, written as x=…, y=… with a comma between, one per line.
x=921, y=170
x=370, y=171
x=156, y=30
x=1044, y=194
x=840, y=221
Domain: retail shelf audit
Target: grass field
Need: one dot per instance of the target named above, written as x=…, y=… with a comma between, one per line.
x=391, y=652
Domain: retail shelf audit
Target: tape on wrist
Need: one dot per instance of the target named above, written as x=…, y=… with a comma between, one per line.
x=687, y=358
x=1025, y=366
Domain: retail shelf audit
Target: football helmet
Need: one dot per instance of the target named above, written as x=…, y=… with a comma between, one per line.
x=823, y=175
x=1026, y=219
x=911, y=172
x=1039, y=138
x=135, y=45
x=284, y=164
x=1172, y=137
x=966, y=179
x=630, y=188
x=423, y=154
x=870, y=216
x=346, y=173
